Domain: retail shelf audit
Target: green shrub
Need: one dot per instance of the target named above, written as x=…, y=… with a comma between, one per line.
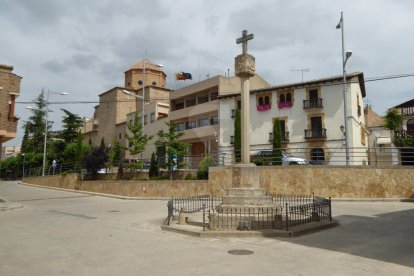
x=207, y=162
x=190, y=177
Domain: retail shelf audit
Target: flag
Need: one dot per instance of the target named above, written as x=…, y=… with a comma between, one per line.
x=183, y=76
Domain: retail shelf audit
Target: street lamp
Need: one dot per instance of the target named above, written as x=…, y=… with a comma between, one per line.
x=24, y=161
x=345, y=57
x=46, y=125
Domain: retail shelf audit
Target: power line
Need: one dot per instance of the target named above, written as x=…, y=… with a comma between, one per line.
x=372, y=79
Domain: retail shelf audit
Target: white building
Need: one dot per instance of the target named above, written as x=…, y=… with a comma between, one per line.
x=311, y=115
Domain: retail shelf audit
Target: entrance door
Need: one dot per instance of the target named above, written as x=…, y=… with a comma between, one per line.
x=197, y=153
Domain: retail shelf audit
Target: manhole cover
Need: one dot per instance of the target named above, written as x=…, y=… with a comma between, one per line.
x=240, y=252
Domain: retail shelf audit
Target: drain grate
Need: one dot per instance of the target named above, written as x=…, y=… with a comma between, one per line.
x=240, y=252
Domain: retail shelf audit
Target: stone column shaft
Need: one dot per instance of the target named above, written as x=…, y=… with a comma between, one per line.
x=245, y=121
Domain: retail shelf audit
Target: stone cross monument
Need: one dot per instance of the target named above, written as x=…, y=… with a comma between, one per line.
x=245, y=69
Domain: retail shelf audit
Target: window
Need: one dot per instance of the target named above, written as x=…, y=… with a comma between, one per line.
x=285, y=99
x=410, y=127
x=202, y=99
x=317, y=154
x=213, y=96
x=232, y=140
x=178, y=105
x=119, y=136
x=180, y=127
x=214, y=120
x=190, y=102
x=154, y=83
x=203, y=122
x=152, y=117
x=145, y=119
x=131, y=122
x=191, y=125
x=263, y=102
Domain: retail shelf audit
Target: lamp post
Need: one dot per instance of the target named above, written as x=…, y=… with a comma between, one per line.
x=46, y=125
x=24, y=161
x=345, y=57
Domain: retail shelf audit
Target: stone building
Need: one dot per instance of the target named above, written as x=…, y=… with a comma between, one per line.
x=116, y=107
x=9, y=91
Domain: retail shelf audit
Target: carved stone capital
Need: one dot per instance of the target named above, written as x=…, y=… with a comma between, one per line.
x=245, y=66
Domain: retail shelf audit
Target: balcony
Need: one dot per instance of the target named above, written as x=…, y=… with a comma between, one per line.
x=285, y=137
x=311, y=104
x=315, y=134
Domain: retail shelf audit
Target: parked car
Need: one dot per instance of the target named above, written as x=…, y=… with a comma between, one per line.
x=267, y=158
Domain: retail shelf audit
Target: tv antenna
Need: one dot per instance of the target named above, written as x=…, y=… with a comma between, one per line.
x=301, y=70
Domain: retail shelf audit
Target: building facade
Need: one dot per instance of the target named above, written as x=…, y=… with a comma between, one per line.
x=312, y=119
x=9, y=91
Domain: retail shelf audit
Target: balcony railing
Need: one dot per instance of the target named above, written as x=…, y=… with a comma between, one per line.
x=314, y=103
x=285, y=137
x=315, y=133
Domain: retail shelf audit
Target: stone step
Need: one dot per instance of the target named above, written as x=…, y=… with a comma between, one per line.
x=247, y=200
x=246, y=192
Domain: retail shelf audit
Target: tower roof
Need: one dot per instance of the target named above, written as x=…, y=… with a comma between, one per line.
x=148, y=65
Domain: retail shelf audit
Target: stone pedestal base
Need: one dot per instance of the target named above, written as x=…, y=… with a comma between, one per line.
x=246, y=176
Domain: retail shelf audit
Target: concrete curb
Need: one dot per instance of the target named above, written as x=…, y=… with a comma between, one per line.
x=95, y=194
x=180, y=229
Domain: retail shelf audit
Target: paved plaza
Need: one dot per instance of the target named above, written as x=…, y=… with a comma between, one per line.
x=68, y=233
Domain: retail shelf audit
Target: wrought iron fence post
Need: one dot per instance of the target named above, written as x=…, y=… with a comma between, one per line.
x=287, y=216
x=204, y=217
x=330, y=209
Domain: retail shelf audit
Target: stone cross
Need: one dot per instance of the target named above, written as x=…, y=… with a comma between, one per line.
x=244, y=65
x=245, y=37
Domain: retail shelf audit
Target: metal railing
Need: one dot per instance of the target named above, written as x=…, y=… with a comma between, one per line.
x=314, y=103
x=286, y=212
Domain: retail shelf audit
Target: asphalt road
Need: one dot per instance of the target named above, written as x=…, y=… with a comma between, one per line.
x=66, y=233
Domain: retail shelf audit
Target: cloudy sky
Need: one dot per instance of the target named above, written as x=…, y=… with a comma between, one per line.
x=82, y=47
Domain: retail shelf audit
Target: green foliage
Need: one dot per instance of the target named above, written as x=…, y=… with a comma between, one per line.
x=190, y=177
x=393, y=120
x=137, y=139
x=95, y=160
x=154, y=170
x=237, y=136
x=277, y=142
x=71, y=123
x=102, y=142
x=34, y=127
x=404, y=142
x=202, y=171
x=174, y=148
x=115, y=151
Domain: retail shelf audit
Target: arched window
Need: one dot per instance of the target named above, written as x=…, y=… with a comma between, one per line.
x=154, y=83
x=317, y=154
x=267, y=100
x=282, y=98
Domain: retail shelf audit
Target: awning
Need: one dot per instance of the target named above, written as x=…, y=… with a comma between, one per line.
x=383, y=140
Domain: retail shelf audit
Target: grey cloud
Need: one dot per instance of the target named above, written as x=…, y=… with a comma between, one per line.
x=56, y=67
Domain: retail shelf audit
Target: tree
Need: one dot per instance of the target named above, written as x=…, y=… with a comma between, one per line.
x=154, y=170
x=277, y=142
x=95, y=160
x=393, y=120
x=138, y=140
x=34, y=127
x=174, y=148
x=115, y=152
x=71, y=123
x=237, y=136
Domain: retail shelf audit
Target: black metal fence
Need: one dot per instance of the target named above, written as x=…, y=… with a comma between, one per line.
x=287, y=211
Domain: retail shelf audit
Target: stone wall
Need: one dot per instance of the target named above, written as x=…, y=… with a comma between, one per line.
x=162, y=188
x=336, y=182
